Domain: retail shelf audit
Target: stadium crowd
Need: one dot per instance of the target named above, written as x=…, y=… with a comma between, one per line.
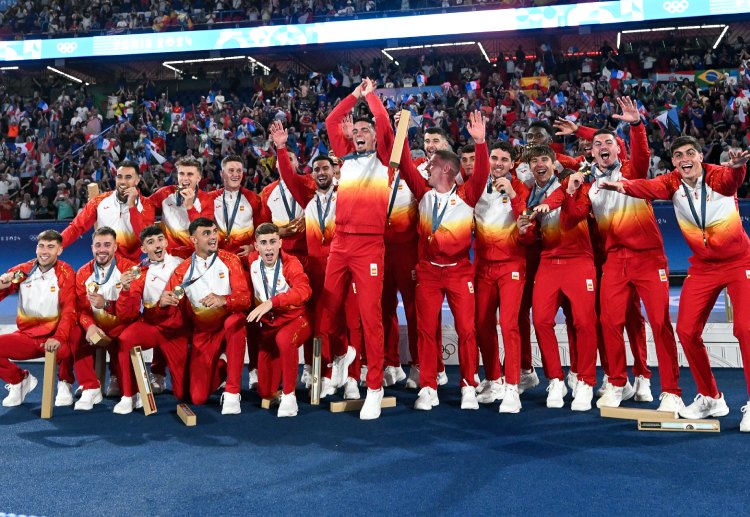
x=60, y=138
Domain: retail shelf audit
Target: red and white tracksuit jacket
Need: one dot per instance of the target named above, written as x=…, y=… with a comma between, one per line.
x=46, y=308
x=285, y=328
x=274, y=208
x=248, y=217
x=106, y=210
x=176, y=219
x=721, y=258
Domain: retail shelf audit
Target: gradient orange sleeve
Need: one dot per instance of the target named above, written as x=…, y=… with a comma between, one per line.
x=299, y=284
x=575, y=208
x=66, y=279
x=725, y=180
x=340, y=144
x=83, y=221
x=383, y=128
x=662, y=187
x=239, y=300
x=301, y=187
x=411, y=175
x=476, y=184
x=85, y=314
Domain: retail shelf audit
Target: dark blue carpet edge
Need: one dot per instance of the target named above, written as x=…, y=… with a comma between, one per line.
x=444, y=462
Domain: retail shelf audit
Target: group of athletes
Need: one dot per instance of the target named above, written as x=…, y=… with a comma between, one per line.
x=326, y=254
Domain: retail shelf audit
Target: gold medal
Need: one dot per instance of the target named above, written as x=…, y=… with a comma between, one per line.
x=92, y=287
x=179, y=292
x=18, y=277
x=136, y=270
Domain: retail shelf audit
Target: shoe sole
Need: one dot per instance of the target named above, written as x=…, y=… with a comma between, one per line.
x=588, y=408
x=712, y=413
x=507, y=412
x=643, y=398
x=555, y=406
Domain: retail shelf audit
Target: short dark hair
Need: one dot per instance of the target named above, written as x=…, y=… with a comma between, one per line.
x=468, y=148
x=536, y=151
x=451, y=158
x=605, y=132
x=129, y=164
x=682, y=141
x=323, y=158
x=50, y=235
x=368, y=120
x=104, y=230
x=266, y=229
x=201, y=222
x=542, y=125
x=150, y=231
x=189, y=161
x=232, y=158
x=436, y=131
x=505, y=146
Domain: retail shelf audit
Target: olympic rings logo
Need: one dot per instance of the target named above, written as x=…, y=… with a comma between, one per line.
x=676, y=6
x=448, y=350
x=67, y=47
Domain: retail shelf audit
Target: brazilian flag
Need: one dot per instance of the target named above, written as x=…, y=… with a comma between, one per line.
x=705, y=78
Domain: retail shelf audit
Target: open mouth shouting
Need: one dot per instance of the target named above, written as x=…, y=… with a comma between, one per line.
x=159, y=254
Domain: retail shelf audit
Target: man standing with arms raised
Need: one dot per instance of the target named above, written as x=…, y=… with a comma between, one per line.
x=356, y=253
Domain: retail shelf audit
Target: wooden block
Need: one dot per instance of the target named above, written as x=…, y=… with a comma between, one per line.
x=186, y=415
x=628, y=413
x=48, y=388
x=100, y=365
x=100, y=341
x=356, y=405
x=144, y=383
x=316, y=366
x=400, y=138
x=273, y=401
x=680, y=425
x=93, y=190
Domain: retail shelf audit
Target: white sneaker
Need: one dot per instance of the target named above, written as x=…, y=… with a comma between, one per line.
x=363, y=376
x=556, y=392
x=412, y=382
x=583, y=395
x=529, y=379
x=442, y=378
x=158, y=383
x=603, y=388
x=306, y=378
x=340, y=367
x=288, y=405
x=125, y=406
x=230, y=404
x=427, y=399
x=642, y=387
x=113, y=389
x=627, y=391
x=371, y=408
x=351, y=389
x=671, y=403
x=252, y=379
x=612, y=397
x=512, y=400
x=469, y=397
x=703, y=407
x=492, y=391
x=572, y=381
x=17, y=392
x=476, y=378
x=64, y=395
x=88, y=399
x=745, y=424
x=392, y=375
x=326, y=388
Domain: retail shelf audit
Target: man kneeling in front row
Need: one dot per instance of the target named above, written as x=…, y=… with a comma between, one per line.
x=280, y=289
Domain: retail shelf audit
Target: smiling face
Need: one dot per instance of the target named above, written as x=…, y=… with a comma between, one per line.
x=155, y=246
x=542, y=167
x=103, y=248
x=231, y=175
x=585, y=146
x=537, y=136
x=500, y=163
x=322, y=173
x=363, y=135
x=206, y=240
x=434, y=142
x=604, y=150
x=268, y=246
x=127, y=177
x=688, y=161
x=47, y=253
x=188, y=176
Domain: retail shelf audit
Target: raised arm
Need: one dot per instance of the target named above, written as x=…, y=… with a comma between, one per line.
x=477, y=182
x=340, y=144
x=383, y=128
x=83, y=221
x=662, y=187
x=639, y=153
x=411, y=175
x=727, y=178
x=301, y=187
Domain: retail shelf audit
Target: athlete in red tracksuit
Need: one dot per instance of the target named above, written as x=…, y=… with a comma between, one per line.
x=147, y=289
x=46, y=319
x=635, y=261
x=97, y=291
x=317, y=195
x=280, y=289
x=705, y=202
x=635, y=325
x=124, y=210
x=356, y=253
x=216, y=297
x=446, y=212
x=500, y=273
x=566, y=271
x=181, y=205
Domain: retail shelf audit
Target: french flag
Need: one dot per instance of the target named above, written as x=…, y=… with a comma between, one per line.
x=421, y=79
x=105, y=144
x=332, y=79
x=587, y=99
x=573, y=117
x=472, y=86
x=641, y=108
x=152, y=149
x=617, y=74
x=25, y=147
x=731, y=104
x=559, y=99
x=43, y=106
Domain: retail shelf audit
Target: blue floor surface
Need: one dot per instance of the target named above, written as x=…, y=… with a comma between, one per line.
x=446, y=461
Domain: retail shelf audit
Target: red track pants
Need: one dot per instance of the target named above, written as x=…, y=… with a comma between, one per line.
x=278, y=355
x=84, y=356
x=400, y=276
x=20, y=347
